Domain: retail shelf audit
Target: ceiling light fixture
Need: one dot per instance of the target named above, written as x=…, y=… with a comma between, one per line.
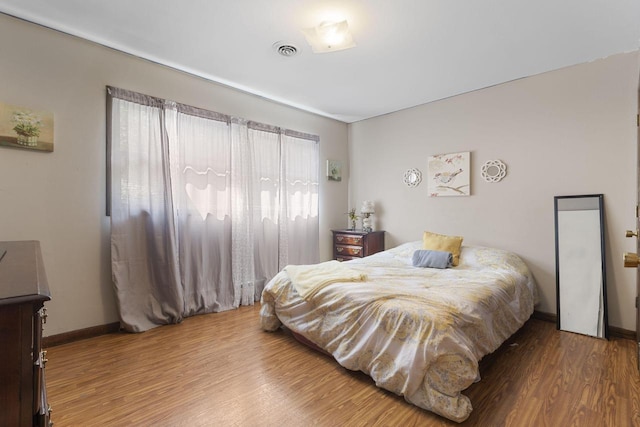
x=329, y=37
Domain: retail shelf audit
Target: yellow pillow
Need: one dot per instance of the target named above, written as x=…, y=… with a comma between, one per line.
x=440, y=242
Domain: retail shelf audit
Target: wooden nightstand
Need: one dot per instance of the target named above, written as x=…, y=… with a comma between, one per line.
x=350, y=244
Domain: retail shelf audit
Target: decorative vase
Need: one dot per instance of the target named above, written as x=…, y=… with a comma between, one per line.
x=30, y=141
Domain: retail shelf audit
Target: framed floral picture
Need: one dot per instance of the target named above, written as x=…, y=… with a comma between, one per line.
x=449, y=174
x=334, y=170
x=22, y=127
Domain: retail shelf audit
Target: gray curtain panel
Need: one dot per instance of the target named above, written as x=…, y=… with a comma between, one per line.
x=143, y=245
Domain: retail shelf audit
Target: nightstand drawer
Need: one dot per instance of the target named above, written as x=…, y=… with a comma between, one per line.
x=349, y=250
x=354, y=244
x=345, y=258
x=348, y=239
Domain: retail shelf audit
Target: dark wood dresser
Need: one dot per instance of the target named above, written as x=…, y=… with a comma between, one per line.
x=350, y=244
x=23, y=291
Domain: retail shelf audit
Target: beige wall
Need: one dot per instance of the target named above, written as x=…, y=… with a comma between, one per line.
x=570, y=131
x=59, y=198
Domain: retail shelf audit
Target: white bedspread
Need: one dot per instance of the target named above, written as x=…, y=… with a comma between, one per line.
x=418, y=332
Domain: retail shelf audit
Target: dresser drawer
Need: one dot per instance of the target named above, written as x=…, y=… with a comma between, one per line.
x=348, y=239
x=354, y=251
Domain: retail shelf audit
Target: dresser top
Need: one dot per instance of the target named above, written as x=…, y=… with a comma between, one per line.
x=22, y=275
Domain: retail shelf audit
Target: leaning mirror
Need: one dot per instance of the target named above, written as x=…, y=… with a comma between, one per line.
x=580, y=265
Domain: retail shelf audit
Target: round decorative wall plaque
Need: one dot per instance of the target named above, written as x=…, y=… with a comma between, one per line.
x=412, y=177
x=494, y=171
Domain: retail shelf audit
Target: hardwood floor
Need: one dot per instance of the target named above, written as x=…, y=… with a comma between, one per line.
x=223, y=370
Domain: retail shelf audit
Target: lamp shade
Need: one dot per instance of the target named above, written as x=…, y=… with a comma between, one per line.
x=367, y=207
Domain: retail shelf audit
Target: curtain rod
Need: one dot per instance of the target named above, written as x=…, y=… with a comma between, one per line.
x=153, y=101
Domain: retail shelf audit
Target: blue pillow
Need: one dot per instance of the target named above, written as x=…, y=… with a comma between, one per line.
x=432, y=259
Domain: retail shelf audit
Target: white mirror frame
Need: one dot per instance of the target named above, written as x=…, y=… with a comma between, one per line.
x=412, y=177
x=494, y=171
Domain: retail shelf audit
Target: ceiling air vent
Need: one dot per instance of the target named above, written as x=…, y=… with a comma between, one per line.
x=285, y=49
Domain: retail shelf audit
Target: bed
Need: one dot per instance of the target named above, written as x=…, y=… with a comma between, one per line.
x=418, y=332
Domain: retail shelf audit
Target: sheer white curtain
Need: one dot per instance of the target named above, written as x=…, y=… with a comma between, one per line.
x=242, y=183
x=201, y=147
x=264, y=143
x=299, y=226
x=205, y=208
x=275, y=203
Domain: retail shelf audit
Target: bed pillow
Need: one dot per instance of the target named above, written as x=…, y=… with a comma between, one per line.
x=432, y=259
x=440, y=242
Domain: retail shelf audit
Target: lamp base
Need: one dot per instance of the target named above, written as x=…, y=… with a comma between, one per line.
x=367, y=223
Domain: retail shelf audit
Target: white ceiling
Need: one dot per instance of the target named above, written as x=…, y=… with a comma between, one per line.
x=409, y=52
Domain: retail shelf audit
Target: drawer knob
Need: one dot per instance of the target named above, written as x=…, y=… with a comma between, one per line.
x=339, y=249
x=356, y=251
x=339, y=238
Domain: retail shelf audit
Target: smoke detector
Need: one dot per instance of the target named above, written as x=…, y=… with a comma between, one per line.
x=285, y=48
